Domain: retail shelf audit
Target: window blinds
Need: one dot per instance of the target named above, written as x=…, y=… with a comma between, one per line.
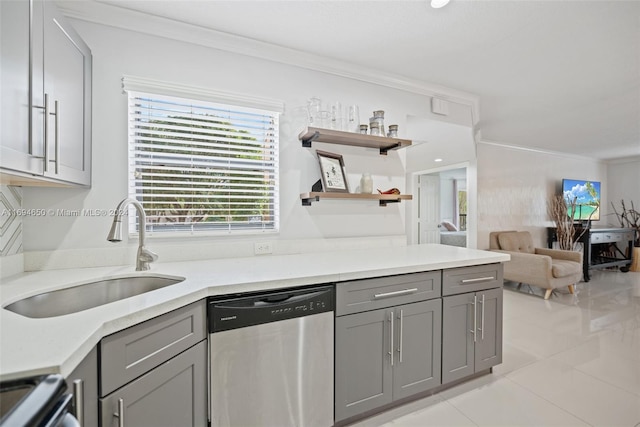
x=198, y=166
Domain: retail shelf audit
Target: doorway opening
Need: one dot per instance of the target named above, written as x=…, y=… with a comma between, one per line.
x=444, y=210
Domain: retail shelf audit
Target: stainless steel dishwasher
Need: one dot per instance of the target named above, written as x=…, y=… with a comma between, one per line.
x=272, y=358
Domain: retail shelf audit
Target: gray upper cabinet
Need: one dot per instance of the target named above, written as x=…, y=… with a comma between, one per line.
x=46, y=97
x=15, y=152
x=472, y=333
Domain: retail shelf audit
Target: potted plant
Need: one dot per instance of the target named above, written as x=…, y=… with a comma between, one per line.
x=630, y=218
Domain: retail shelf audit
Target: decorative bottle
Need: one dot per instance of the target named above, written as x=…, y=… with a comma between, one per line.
x=366, y=183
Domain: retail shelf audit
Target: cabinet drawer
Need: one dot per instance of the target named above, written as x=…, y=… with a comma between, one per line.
x=370, y=294
x=610, y=237
x=471, y=279
x=128, y=354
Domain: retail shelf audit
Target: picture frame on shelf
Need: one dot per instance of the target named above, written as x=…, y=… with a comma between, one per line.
x=332, y=171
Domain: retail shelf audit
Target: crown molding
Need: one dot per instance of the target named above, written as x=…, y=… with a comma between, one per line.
x=539, y=151
x=119, y=17
x=623, y=160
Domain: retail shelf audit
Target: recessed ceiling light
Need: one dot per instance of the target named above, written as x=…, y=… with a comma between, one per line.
x=437, y=4
x=437, y=160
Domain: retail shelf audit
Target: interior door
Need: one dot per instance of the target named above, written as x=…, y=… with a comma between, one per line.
x=429, y=209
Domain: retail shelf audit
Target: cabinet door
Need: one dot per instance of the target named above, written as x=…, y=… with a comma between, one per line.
x=457, y=337
x=83, y=383
x=417, y=347
x=173, y=394
x=67, y=82
x=16, y=153
x=488, y=351
x=363, y=363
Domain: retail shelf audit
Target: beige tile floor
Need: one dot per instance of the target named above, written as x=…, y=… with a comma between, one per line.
x=573, y=360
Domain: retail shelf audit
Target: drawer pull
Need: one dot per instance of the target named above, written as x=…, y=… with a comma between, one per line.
x=390, y=352
x=396, y=293
x=475, y=317
x=478, y=279
x=78, y=400
x=120, y=414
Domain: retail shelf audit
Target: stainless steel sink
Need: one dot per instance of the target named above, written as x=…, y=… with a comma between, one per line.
x=89, y=295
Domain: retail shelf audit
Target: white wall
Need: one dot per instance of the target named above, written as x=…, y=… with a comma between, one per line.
x=118, y=52
x=623, y=183
x=515, y=186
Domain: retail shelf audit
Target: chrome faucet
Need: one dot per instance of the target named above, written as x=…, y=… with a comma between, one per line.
x=145, y=256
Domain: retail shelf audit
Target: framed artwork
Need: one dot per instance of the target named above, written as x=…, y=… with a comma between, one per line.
x=334, y=177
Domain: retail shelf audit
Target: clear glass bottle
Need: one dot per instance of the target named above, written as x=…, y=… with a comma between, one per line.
x=374, y=129
x=378, y=117
x=393, y=131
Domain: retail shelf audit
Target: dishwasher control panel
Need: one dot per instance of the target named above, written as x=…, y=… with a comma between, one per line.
x=240, y=311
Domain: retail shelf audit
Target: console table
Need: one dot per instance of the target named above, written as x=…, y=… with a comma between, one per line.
x=594, y=241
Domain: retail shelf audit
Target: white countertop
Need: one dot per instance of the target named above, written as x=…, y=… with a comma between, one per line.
x=57, y=344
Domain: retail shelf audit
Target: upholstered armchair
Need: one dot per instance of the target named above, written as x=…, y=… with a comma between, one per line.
x=547, y=268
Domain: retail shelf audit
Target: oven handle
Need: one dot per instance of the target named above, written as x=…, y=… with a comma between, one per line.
x=46, y=404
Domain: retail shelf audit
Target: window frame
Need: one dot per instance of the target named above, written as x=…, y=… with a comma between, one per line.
x=133, y=86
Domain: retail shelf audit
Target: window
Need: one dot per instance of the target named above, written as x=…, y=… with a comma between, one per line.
x=202, y=167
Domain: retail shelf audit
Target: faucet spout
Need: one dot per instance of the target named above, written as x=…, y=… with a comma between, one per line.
x=144, y=256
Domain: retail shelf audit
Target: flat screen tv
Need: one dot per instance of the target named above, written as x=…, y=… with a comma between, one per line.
x=587, y=198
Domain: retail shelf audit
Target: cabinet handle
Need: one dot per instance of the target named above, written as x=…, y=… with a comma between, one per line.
x=56, y=139
x=120, y=413
x=46, y=132
x=400, y=337
x=482, y=318
x=475, y=317
x=391, y=337
x=78, y=401
x=396, y=293
x=478, y=279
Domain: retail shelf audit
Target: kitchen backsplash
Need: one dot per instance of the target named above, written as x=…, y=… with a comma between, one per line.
x=10, y=220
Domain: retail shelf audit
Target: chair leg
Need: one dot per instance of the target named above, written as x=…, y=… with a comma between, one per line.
x=571, y=289
x=547, y=294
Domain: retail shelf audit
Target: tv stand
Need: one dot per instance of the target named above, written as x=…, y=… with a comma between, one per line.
x=603, y=247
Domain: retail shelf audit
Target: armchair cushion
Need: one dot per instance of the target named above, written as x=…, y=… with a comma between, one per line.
x=563, y=268
x=516, y=241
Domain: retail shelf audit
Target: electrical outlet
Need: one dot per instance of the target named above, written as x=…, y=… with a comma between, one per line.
x=262, y=248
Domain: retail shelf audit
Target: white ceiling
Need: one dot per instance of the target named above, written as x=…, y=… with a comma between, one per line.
x=559, y=75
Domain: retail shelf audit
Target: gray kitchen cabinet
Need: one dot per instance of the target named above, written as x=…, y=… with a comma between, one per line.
x=417, y=348
x=385, y=355
x=128, y=354
x=14, y=89
x=46, y=97
x=362, y=366
x=83, y=384
x=471, y=333
x=173, y=394
x=155, y=373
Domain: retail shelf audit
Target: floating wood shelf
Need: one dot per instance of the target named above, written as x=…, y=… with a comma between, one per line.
x=384, y=199
x=330, y=136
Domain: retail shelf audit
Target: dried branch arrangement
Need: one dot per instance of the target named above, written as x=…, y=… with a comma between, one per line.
x=629, y=218
x=565, y=231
